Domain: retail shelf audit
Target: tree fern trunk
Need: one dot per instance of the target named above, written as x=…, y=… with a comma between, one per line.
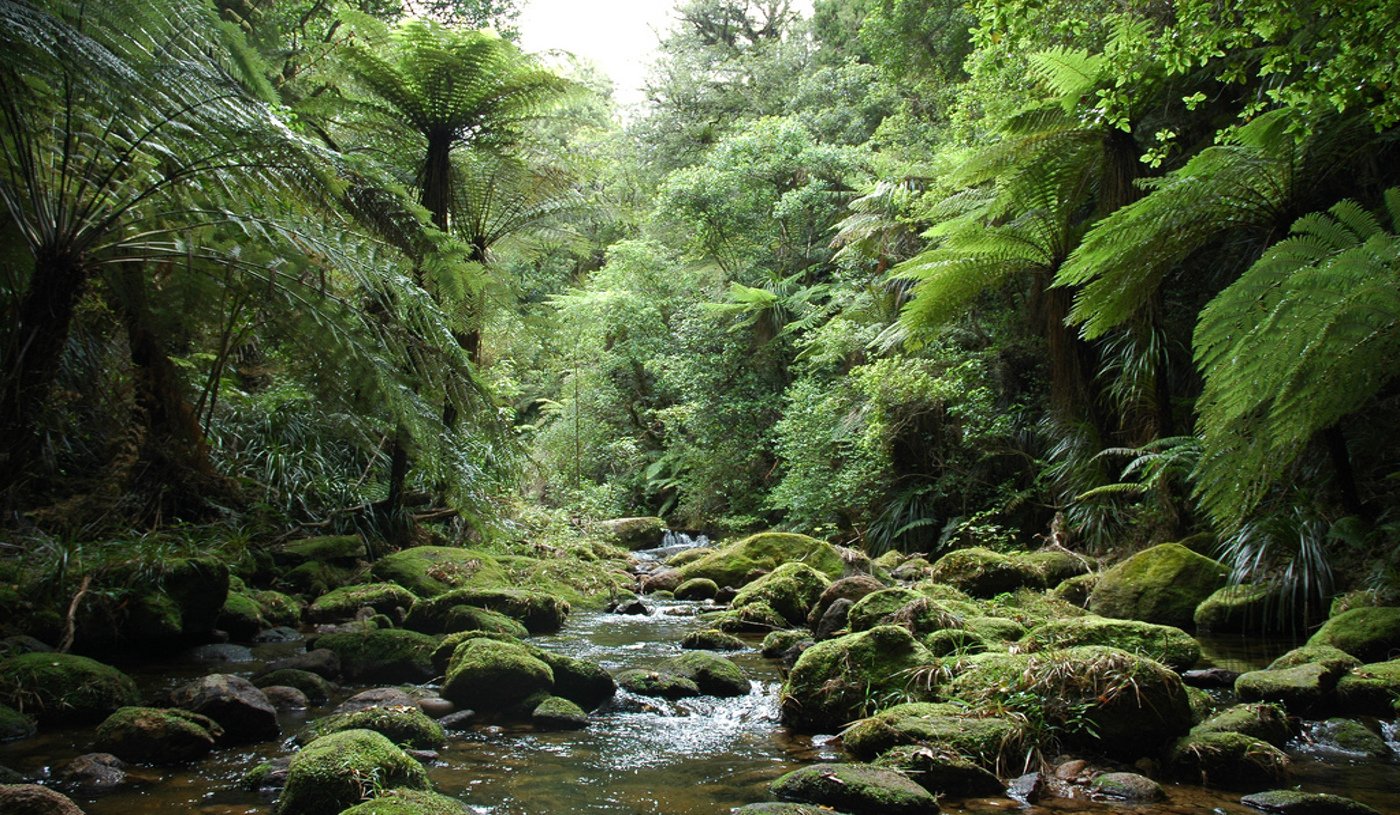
x=436, y=182
x=1337, y=450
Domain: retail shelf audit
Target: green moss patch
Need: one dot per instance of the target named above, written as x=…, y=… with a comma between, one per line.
x=63, y=687
x=340, y=770
x=1163, y=584
x=738, y=563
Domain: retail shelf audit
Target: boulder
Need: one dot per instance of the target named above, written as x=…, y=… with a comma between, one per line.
x=754, y=618
x=409, y=802
x=428, y=571
x=777, y=644
x=1228, y=760
x=14, y=725
x=791, y=590
x=584, y=683
x=737, y=563
x=404, y=725
x=1370, y=690
x=940, y=771
x=840, y=680
x=557, y=713
x=314, y=686
x=342, y=769
x=32, y=799
x=339, y=605
x=851, y=589
x=92, y=774
x=280, y=610
x=340, y=549
x=495, y=677
x=238, y=706
x=945, y=729
x=1334, y=659
x=241, y=616
x=1302, y=689
x=697, y=588
x=164, y=736
x=1166, y=644
x=855, y=788
x=836, y=620
x=1163, y=584
x=712, y=639
x=712, y=674
x=539, y=612
x=1297, y=802
x=1243, y=609
x=1266, y=722
x=391, y=655
x=1370, y=634
x=63, y=687
x=981, y=572
x=909, y=608
x=285, y=698
x=655, y=683
x=442, y=654
x=1076, y=590
x=634, y=533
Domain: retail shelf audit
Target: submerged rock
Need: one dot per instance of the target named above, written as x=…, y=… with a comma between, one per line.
x=1349, y=737
x=697, y=588
x=91, y=774
x=342, y=769
x=584, y=683
x=857, y=789
x=316, y=688
x=1163, y=584
x=63, y=687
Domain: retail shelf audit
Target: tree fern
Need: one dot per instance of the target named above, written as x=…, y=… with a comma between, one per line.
x=1308, y=335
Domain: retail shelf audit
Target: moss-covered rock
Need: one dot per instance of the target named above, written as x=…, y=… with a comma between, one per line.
x=345, y=549
x=1297, y=802
x=1370, y=690
x=909, y=608
x=239, y=707
x=857, y=789
x=994, y=629
x=342, y=769
x=981, y=572
x=1229, y=760
x=343, y=603
x=558, y=713
x=712, y=639
x=1076, y=590
x=278, y=608
x=840, y=680
x=685, y=556
x=940, y=771
x=697, y=588
x=584, y=683
x=404, y=725
x=634, y=533
x=540, y=613
x=791, y=590
x=712, y=674
x=656, y=683
x=942, y=728
x=442, y=653
x=429, y=571
x=391, y=655
x=495, y=677
x=1302, y=689
x=1236, y=610
x=754, y=618
x=1263, y=721
x=32, y=799
x=1163, y=584
x=316, y=687
x=1166, y=644
x=852, y=588
x=952, y=641
x=148, y=735
x=735, y=564
x=14, y=725
x=241, y=617
x=1049, y=568
x=474, y=618
x=1369, y=634
x=63, y=687
x=777, y=643
x=1334, y=659
x=409, y=802
x=315, y=578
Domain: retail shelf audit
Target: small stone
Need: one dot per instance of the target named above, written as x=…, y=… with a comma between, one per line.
x=320, y=661
x=1027, y=788
x=1129, y=787
x=1210, y=678
x=286, y=697
x=459, y=721
x=93, y=774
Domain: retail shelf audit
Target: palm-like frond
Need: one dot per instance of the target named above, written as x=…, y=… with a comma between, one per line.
x=1304, y=338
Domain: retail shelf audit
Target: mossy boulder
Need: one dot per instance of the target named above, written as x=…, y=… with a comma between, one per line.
x=14, y=725
x=148, y=735
x=1166, y=644
x=1048, y=568
x=1334, y=659
x=151, y=608
x=643, y=532
x=1302, y=689
x=697, y=588
x=241, y=617
x=1370, y=690
x=442, y=653
x=712, y=674
x=1368, y=633
x=345, y=602
x=344, y=549
x=404, y=725
x=63, y=687
x=32, y=799
x=994, y=629
x=1163, y=584
x=1349, y=736
x=685, y=556
x=712, y=639
x=942, y=728
x=754, y=618
x=855, y=788
x=584, y=683
x=852, y=588
x=540, y=613
x=389, y=655
x=1228, y=760
x=791, y=589
x=1076, y=590
x=940, y=771
x=428, y=571
x=777, y=643
x=981, y=572
x=1297, y=802
x=840, y=680
x=315, y=686
x=735, y=564
x=657, y=683
x=240, y=707
x=909, y=608
x=474, y=618
x=495, y=677
x=313, y=578
x=278, y=608
x=409, y=802
x=1263, y=721
x=558, y=713
x=340, y=770
x=1236, y=610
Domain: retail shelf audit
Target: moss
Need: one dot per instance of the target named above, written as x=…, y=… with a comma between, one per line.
x=1302, y=689
x=685, y=556
x=409, y=802
x=1076, y=590
x=941, y=727
x=241, y=617
x=994, y=629
x=754, y=618
x=634, y=533
x=382, y=656
x=1296, y=802
x=791, y=589
x=584, y=683
x=1370, y=690
x=343, y=603
x=314, y=578
x=1369, y=634
x=840, y=680
x=1266, y=722
x=1235, y=610
x=1229, y=760
x=324, y=549
x=148, y=735
x=655, y=683
x=713, y=674
x=712, y=639
x=734, y=563
x=558, y=713
x=442, y=652
x=1163, y=584
x=1166, y=644
x=14, y=725
x=64, y=687
x=342, y=769
x=494, y=677
x=777, y=643
x=152, y=618
x=1031, y=607
x=404, y=725
x=857, y=789
x=1334, y=659
x=697, y=588
x=316, y=688
x=911, y=609
x=981, y=572
x=1052, y=567
x=940, y=771
x=278, y=608
x=539, y=613
x=954, y=641
x=429, y=571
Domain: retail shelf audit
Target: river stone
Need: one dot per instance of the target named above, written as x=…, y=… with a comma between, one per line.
x=342, y=549
x=1129, y=787
x=940, y=771
x=712, y=674
x=634, y=533
x=286, y=698
x=712, y=639
x=1163, y=584
x=239, y=707
x=851, y=588
x=697, y=588
x=834, y=682
x=1228, y=760
x=429, y=571
x=1302, y=689
x=1295, y=802
x=32, y=799
x=340, y=770
x=782, y=808
x=14, y=725
x=855, y=788
x=91, y=774
x=1369, y=633
x=165, y=736
x=314, y=686
x=556, y=713
x=1266, y=722
x=539, y=612
x=791, y=590
x=492, y=677
x=391, y=655
x=1349, y=737
x=778, y=644
x=404, y=725
x=409, y=802
x=736, y=564
x=64, y=687
x=321, y=661
x=339, y=605
x=376, y=697
x=241, y=617
x=835, y=619
x=1370, y=690
x=221, y=652
x=980, y=572
x=941, y=727
x=584, y=683
x=654, y=683
x=1166, y=644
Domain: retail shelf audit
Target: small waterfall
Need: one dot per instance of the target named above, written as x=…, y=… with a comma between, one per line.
x=671, y=543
